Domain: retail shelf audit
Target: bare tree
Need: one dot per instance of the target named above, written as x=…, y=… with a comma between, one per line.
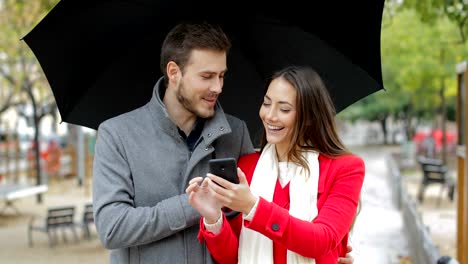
x=20, y=72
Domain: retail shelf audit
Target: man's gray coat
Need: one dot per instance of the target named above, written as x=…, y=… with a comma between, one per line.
x=142, y=167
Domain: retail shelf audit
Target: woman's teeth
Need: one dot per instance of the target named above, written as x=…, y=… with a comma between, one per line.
x=274, y=127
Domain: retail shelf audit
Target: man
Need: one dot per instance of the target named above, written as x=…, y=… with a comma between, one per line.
x=145, y=158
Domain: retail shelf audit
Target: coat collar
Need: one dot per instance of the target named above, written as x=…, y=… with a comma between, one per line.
x=324, y=165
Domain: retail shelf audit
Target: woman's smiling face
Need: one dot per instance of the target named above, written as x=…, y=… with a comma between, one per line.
x=278, y=114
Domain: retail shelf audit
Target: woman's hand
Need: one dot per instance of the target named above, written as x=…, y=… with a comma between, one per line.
x=202, y=198
x=348, y=259
x=237, y=197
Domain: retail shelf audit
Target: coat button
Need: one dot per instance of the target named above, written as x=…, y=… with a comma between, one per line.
x=207, y=148
x=209, y=134
x=221, y=128
x=275, y=227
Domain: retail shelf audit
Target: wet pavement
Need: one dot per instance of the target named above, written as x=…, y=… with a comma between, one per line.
x=379, y=234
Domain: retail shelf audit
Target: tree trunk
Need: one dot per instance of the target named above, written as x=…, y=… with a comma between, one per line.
x=407, y=122
x=55, y=118
x=443, y=112
x=383, y=124
x=36, y=141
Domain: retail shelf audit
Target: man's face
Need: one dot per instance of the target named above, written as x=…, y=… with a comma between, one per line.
x=202, y=82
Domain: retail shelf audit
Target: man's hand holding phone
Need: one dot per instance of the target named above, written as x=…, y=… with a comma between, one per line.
x=202, y=198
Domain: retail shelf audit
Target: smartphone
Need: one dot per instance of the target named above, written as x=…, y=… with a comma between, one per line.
x=225, y=168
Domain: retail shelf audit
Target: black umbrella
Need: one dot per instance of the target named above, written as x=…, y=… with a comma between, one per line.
x=101, y=57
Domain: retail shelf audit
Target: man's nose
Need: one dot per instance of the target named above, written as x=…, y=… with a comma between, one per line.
x=217, y=86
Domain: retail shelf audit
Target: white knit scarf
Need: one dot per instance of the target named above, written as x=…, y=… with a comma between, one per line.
x=256, y=248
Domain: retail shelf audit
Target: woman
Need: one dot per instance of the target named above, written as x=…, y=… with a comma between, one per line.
x=304, y=186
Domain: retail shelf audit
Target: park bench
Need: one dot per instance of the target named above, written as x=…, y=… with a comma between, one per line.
x=10, y=192
x=87, y=220
x=434, y=172
x=58, y=218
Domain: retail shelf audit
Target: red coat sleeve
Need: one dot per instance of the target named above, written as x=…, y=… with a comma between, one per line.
x=317, y=238
x=224, y=246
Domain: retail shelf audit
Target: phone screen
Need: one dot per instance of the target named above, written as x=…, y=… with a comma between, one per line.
x=225, y=168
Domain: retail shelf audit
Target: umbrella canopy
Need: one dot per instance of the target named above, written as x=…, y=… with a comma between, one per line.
x=101, y=57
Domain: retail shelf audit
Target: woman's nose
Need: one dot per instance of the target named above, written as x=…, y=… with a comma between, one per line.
x=271, y=114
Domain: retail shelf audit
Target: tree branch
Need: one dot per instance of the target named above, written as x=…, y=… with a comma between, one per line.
x=7, y=103
x=7, y=76
x=461, y=27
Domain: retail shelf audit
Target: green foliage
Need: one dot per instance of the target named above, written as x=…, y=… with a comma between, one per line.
x=20, y=71
x=430, y=11
x=418, y=58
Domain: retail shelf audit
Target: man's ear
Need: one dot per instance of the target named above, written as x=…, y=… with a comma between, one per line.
x=173, y=71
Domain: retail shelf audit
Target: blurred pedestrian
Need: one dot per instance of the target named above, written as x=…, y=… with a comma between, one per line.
x=429, y=146
x=52, y=159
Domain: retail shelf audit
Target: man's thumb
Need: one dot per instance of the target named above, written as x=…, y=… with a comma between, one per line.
x=205, y=182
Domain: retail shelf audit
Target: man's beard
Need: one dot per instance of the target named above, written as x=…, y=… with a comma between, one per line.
x=188, y=103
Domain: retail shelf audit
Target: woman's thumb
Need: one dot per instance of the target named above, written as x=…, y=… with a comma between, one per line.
x=241, y=176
